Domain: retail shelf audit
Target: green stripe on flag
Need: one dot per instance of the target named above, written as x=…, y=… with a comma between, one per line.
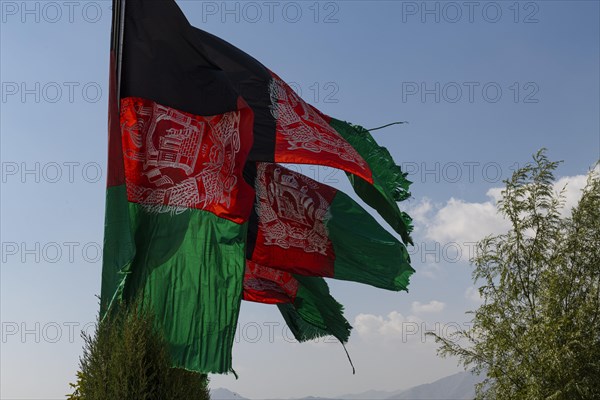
x=118, y=249
x=389, y=182
x=364, y=251
x=315, y=313
x=188, y=268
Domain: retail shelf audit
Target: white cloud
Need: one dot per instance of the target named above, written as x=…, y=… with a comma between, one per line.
x=472, y=294
x=495, y=194
x=462, y=222
x=394, y=326
x=419, y=212
x=433, y=306
x=429, y=270
x=573, y=186
x=447, y=232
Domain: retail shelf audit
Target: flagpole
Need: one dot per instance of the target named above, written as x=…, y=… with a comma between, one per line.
x=116, y=46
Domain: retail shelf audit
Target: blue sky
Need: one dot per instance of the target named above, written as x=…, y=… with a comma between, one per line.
x=483, y=86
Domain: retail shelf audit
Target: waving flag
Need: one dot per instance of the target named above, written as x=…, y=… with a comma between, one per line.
x=199, y=214
x=305, y=303
x=305, y=227
x=288, y=130
x=177, y=203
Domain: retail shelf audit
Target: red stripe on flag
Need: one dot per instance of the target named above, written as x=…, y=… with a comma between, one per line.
x=116, y=172
x=268, y=285
x=303, y=136
x=292, y=210
x=176, y=160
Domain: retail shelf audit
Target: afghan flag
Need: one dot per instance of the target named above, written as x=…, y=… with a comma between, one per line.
x=307, y=228
x=288, y=130
x=177, y=204
x=304, y=302
x=194, y=126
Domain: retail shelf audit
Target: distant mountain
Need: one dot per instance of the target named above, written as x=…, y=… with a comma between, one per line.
x=224, y=394
x=460, y=386
x=312, y=398
x=369, y=395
